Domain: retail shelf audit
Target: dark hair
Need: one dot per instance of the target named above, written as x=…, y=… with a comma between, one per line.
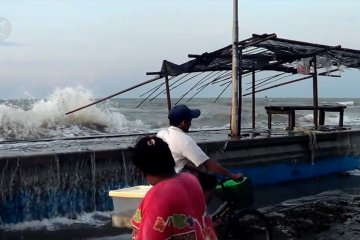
x=177, y=122
x=153, y=156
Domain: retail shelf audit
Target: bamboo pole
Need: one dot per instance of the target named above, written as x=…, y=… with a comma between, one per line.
x=234, y=124
x=277, y=85
x=292, y=81
x=253, y=98
x=115, y=94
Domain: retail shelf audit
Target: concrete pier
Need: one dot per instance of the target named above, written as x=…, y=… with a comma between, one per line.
x=38, y=186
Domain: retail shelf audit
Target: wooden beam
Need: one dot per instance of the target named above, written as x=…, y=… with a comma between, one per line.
x=113, y=95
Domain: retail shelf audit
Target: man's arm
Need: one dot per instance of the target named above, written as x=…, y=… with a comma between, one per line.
x=196, y=155
x=215, y=167
x=189, y=166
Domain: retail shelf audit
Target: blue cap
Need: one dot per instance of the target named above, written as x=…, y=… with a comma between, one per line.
x=181, y=112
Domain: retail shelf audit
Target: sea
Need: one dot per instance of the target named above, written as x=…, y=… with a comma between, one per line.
x=323, y=208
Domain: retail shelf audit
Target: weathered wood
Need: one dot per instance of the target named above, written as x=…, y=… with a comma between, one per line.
x=253, y=98
x=115, y=94
x=315, y=94
x=168, y=98
x=235, y=114
x=290, y=111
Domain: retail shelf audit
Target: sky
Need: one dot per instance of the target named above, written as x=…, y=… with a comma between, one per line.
x=109, y=45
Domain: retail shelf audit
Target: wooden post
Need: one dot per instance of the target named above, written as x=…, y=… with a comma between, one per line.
x=341, y=118
x=240, y=89
x=269, y=119
x=253, y=98
x=235, y=113
x=168, y=97
x=315, y=93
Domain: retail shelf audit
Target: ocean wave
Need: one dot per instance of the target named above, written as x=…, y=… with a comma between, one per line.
x=330, y=119
x=45, y=118
x=36, y=119
x=355, y=172
x=346, y=103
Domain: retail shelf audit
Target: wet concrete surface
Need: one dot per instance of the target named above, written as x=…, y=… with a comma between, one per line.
x=316, y=209
x=322, y=208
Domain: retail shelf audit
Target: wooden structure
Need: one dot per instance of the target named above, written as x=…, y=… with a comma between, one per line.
x=288, y=61
x=285, y=60
x=295, y=60
x=290, y=111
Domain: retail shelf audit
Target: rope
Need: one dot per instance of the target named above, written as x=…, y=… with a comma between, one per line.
x=312, y=139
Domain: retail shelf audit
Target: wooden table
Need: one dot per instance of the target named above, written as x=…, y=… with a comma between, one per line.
x=290, y=111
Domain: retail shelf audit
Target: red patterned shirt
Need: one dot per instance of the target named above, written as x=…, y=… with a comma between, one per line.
x=173, y=209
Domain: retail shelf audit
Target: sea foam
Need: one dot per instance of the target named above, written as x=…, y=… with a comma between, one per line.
x=46, y=118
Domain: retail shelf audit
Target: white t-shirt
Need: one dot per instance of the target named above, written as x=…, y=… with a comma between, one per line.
x=182, y=147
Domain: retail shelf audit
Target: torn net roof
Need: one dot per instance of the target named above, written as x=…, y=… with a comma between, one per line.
x=267, y=52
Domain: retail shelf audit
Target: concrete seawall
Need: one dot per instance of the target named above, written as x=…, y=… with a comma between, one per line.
x=38, y=186
x=34, y=187
x=287, y=158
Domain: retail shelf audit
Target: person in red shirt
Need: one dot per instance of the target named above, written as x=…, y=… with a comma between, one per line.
x=174, y=208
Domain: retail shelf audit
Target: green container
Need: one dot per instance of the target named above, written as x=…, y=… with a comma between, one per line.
x=241, y=192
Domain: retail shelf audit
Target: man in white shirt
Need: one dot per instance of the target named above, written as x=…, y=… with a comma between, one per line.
x=185, y=149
